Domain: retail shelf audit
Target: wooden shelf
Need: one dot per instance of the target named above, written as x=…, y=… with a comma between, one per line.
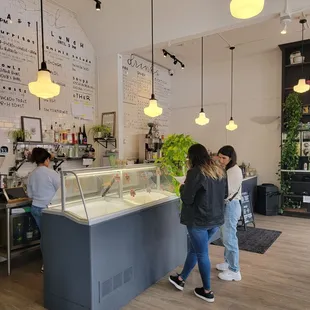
x=297, y=65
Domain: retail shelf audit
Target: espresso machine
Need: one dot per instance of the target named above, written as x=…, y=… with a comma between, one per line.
x=150, y=145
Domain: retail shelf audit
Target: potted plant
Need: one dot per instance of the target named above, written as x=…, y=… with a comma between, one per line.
x=174, y=160
x=100, y=131
x=19, y=135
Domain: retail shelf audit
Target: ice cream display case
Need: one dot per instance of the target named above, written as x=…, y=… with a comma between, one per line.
x=89, y=196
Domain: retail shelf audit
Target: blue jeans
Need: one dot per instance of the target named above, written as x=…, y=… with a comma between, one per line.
x=229, y=234
x=199, y=251
x=36, y=212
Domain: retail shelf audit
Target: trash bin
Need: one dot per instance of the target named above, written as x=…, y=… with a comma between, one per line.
x=268, y=199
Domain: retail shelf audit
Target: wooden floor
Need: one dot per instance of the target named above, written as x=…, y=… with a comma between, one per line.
x=279, y=279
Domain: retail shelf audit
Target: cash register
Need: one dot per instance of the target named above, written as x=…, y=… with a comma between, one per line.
x=15, y=194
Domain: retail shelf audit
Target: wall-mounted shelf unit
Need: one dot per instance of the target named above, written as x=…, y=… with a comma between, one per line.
x=106, y=141
x=299, y=179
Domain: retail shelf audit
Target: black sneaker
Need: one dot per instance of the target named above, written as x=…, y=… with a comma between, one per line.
x=200, y=292
x=176, y=282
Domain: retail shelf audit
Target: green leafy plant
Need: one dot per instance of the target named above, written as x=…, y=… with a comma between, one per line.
x=19, y=135
x=292, y=111
x=174, y=160
x=99, y=131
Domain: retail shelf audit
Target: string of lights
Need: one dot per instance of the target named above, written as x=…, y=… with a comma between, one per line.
x=174, y=58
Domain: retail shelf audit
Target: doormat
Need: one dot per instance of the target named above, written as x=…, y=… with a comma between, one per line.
x=256, y=240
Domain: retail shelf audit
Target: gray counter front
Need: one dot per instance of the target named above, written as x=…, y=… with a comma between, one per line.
x=104, y=266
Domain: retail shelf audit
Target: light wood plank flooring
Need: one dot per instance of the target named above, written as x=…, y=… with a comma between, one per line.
x=279, y=279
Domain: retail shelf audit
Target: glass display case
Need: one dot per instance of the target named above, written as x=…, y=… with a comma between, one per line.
x=89, y=195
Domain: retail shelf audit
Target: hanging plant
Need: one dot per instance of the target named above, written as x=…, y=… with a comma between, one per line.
x=292, y=111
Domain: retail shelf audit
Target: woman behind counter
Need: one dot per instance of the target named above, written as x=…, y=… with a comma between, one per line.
x=43, y=184
x=202, y=196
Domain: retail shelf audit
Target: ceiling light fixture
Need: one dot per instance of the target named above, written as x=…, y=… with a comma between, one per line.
x=202, y=119
x=284, y=31
x=44, y=87
x=9, y=19
x=174, y=58
x=98, y=5
x=285, y=19
x=153, y=110
x=245, y=9
x=302, y=86
x=231, y=126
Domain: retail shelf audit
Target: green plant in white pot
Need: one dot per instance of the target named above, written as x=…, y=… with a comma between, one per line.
x=19, y=135
x=100, y=131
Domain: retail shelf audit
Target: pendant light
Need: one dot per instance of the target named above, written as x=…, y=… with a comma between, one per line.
x=153, y=110
x=202, y=119
x=44, y=87
x=245, y=9
x=231, y=126
x=302, y=86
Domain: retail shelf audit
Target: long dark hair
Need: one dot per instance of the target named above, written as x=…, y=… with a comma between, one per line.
x=39, y=155
x=230, y=152
x=199, y=157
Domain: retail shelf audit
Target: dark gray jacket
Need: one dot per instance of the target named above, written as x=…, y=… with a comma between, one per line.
x=203, y=200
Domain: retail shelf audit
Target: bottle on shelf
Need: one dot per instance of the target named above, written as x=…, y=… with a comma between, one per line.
x=73, y=135
x=64, y=135
x=51, y=134
x=80, y=136
x=29, y=233
x=69, y=135
x=84, y=135
x=60, y=133
x=56, y=134
x=18, y=238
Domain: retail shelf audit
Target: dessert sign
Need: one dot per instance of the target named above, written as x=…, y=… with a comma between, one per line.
x=69, y=55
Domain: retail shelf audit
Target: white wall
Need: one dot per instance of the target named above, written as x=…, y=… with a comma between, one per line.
x=257, y=93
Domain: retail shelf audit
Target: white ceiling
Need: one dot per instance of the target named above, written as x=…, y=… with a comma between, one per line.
x=254, y=39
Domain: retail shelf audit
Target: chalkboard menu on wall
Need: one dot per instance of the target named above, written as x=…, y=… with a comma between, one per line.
x=136, y=83
x=69, y=55
x=247, y=216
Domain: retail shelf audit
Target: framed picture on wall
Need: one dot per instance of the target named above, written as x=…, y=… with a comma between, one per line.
x=33, y=125
x=109, y=119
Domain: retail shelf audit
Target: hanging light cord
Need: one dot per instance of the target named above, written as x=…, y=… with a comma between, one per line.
x=202, y=74
x=303, y=21
x=42, y=32
x=232, y=81
x=152, y=35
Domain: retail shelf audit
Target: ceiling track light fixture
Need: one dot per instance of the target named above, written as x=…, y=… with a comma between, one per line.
x=44, y=87
x=174, y=58
x=202, y=119
x=9, y=19
x=285, y=18
x=153, y=110
x=98, y=5
x=231, y=126
x=302, y=85
x=245, y=9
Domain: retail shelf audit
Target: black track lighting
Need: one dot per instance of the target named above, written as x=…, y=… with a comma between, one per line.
x=9, y=19
x=175, y=59
x=98, y=5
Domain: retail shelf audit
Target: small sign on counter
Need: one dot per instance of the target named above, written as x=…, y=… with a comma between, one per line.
x=306, y=199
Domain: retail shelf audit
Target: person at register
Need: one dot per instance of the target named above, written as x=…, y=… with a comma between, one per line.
x=43, y=184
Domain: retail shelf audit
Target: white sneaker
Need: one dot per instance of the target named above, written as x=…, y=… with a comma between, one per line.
x=222, y=267
x=229, y=275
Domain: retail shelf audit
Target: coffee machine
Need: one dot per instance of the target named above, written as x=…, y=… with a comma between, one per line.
x=150, y=144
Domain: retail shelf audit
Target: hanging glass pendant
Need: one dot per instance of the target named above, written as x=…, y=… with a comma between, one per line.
x=301, y=87
x=245, y=9
x=202, y=119
x=153, y=110
x=44, y=87
x=231, y=126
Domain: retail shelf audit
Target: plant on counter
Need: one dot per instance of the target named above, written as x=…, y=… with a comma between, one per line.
x=100, y=131
x=292, y=111
x=174, y=160
x=19, y=135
